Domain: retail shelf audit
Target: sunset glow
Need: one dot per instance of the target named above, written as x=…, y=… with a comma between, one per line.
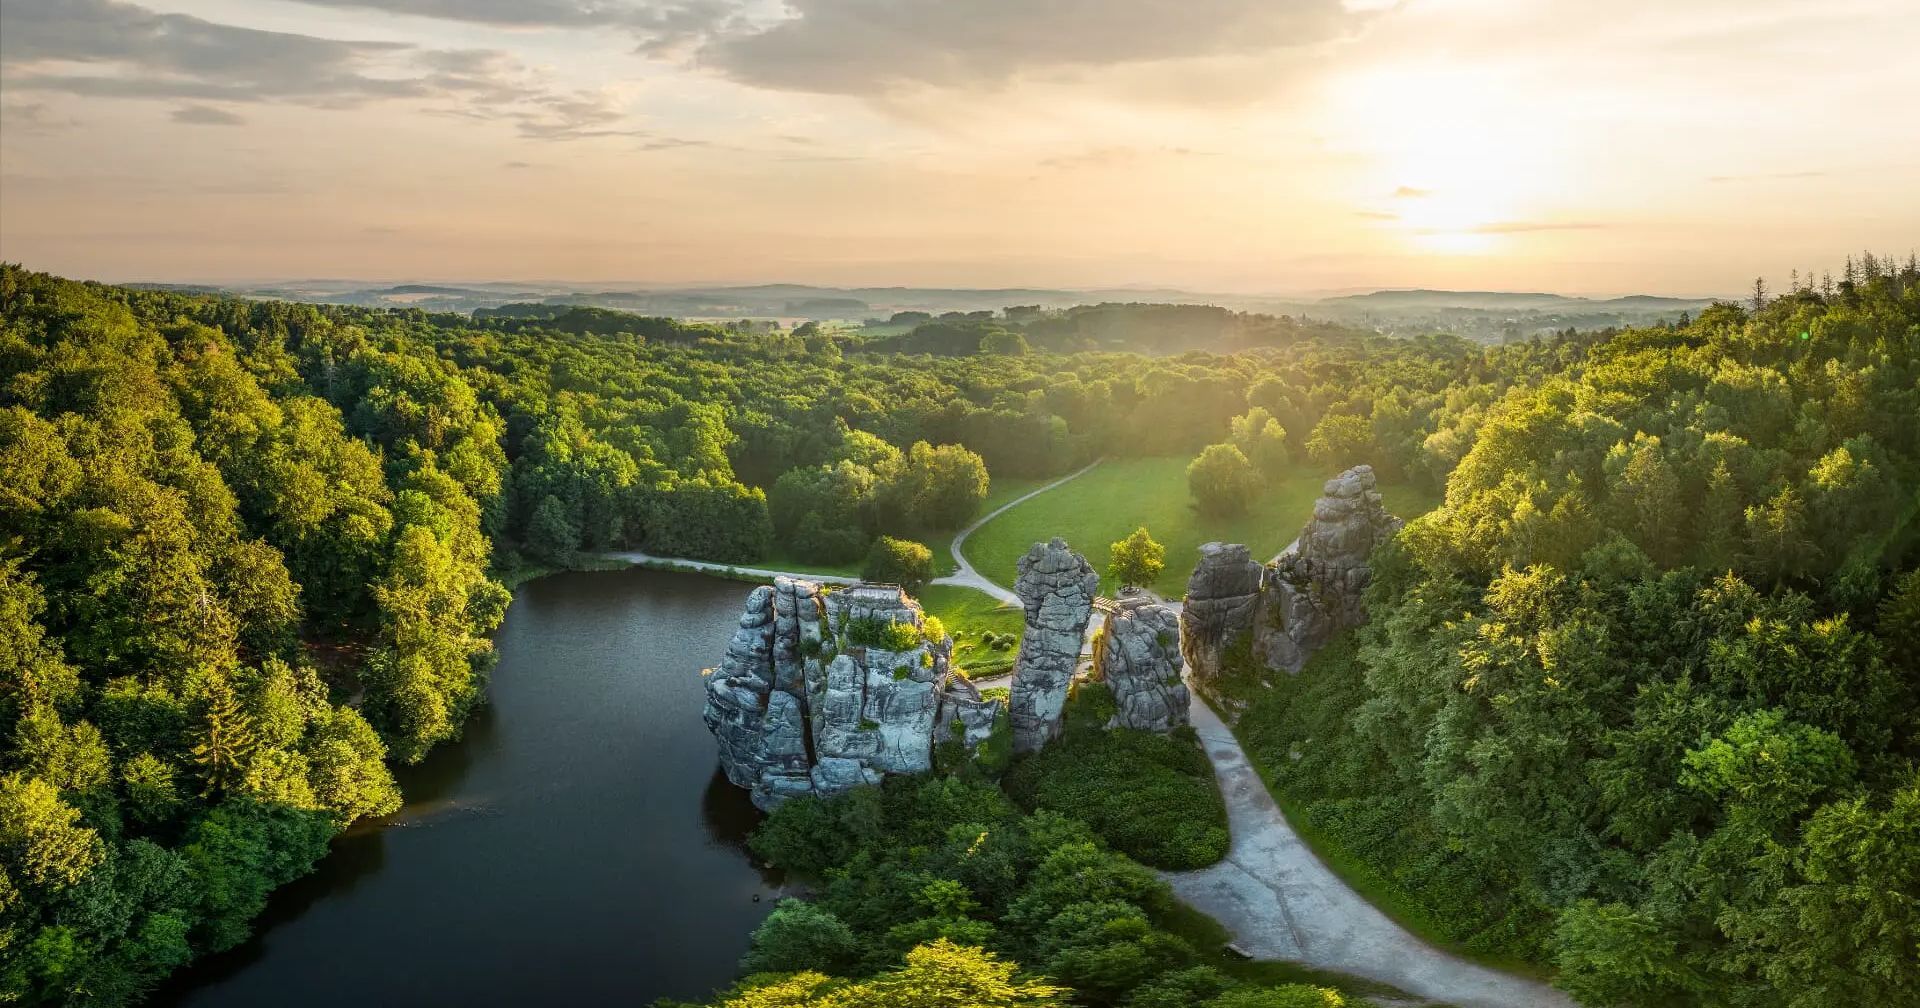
x=1240, y=146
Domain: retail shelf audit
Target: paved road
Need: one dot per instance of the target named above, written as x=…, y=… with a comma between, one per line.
x=970, y=578
x=1281, y=902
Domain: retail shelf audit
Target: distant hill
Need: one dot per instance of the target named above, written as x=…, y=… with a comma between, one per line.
x=1422, y=298
x=1483, y=315
x=1509, y=301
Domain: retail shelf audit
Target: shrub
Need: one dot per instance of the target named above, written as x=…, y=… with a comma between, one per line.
x=874, y=632
x=899, y=561
x=1152, y=797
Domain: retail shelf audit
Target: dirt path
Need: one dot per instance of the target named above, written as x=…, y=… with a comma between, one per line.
x=1281, y=902
x=966, y=576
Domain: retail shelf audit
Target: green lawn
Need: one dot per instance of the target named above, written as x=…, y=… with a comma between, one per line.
x=999, y=491
x=968, y=614
x=1101, y=507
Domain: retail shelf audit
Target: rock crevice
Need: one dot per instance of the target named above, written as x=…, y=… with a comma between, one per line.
x=821, y=691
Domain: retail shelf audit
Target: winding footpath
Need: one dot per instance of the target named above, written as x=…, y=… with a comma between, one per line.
x=1281, y=901
x=1276, y=897
x=966, y=576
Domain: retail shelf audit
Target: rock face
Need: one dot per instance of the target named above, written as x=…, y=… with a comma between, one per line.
x=1222, y=594
x=822, y=691
x=1307, y=597
x=1057, y=586
x=1139, y=657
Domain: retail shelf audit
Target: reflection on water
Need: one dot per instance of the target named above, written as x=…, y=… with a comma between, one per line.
x=576, y=845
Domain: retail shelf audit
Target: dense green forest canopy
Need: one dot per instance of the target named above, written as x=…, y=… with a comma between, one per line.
x=1638, y=700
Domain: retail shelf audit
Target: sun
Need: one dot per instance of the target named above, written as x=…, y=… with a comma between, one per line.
x=1452, y=159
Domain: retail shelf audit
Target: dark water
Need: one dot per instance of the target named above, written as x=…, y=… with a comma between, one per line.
x=575, y=847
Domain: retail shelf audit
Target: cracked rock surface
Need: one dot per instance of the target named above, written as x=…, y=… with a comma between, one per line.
x=1309, y=595
x=1139, y=657
x=806, y=703
x=1057, y=587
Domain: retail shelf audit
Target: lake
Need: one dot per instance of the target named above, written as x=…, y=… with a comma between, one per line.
x=576, y=846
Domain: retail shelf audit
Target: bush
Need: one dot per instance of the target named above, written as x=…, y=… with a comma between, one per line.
x=899, y=561
x=874, y=632
x=1152, y=797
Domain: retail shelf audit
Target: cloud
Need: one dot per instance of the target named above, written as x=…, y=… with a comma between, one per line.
x=108, y=48
x=206, y=115
x=1376, y=215
x=1409, y=192
x=138, y=52
x=873, y=47
x=658, y=26
x=869, y=47
x=33, y=117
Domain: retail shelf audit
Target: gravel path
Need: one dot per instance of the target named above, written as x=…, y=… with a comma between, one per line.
x=966, y=576
x=1281, y=902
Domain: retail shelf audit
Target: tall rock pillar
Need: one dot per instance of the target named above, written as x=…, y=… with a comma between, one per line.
x=1057, y=586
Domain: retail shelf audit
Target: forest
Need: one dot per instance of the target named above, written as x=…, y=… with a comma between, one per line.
x=1636, y=706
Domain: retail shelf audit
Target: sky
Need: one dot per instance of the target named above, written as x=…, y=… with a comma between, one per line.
x=1250, y=146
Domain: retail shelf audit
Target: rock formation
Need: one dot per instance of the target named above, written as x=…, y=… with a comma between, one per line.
x=824, y=690
x=1139, y=657
x=1057, y=586
x=1293, y=608
x=1222, y=594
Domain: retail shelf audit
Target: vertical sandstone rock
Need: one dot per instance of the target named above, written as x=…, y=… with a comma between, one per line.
x=816, y=696
x=1139, y=656
x=1318, y=588
x=1312, y=593
x=1057, y=586
x=1222, y=594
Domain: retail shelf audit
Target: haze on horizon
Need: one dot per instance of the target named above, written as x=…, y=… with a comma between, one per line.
x=1638, y=146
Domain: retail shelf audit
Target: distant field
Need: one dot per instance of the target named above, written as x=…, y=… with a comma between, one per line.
x=1097, y=509
x=967, y=614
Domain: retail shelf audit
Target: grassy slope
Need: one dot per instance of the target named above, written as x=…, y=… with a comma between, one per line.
x=999, y=492
x=968, y=614
x=1104, y=505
